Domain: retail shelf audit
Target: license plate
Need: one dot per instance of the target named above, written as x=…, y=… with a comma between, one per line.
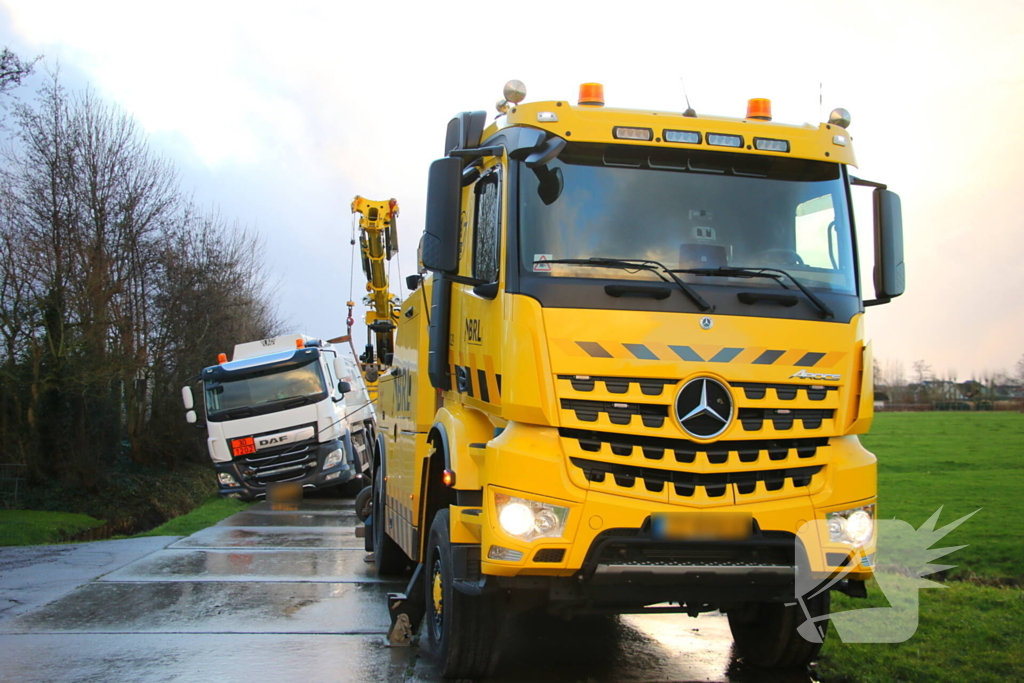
x=240, y=447
x=284, y=492
x=707, y=525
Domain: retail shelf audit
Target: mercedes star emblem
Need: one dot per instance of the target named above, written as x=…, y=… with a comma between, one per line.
x=704, y=407
x=706, y=323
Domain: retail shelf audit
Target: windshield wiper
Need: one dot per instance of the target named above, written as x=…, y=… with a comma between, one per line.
x=771, y=273
x=233, y=413
x=655, y=267
x=297, y=400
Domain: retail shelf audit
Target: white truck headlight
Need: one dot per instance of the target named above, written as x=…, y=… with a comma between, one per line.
x=855, y=526
x=333, y=458
x=529, y=519
x=226, y=479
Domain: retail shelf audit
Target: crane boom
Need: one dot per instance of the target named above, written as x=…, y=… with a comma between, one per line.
x=378, y=242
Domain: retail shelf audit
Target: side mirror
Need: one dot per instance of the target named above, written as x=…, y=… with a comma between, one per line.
x=188, y=399
x=440, y=243
x=890, y=273
x=339, y=367
x=344, y=387
x=190, y=417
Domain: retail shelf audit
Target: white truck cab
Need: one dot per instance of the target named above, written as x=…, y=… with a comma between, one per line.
x=285, y=409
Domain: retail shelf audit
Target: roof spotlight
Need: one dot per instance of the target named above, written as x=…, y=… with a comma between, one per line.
x=515, y=91
x=839, y=117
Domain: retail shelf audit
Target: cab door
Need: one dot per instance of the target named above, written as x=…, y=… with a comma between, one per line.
x=477, y=311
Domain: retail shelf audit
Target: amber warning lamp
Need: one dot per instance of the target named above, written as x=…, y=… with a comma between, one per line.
x=759, y=108
x=222, y=358
x=592, y=95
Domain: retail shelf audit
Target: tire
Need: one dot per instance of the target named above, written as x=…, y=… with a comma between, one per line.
x=462, y=630
x=364, y=503
x=766, y=635
x=388, y=555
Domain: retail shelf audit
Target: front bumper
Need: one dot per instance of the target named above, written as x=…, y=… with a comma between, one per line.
x=301, y=466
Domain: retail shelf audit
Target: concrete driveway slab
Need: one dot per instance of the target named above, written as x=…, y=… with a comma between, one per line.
x=272, y=537
x=340, y=518
x=186, y=658
x=183, y=607
x=327, y=566
x=34, y=575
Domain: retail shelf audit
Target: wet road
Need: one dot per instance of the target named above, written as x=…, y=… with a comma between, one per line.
x=283, y=596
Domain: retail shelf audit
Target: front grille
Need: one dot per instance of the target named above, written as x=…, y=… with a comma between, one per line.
x=549, y=555
x=685, y=483
x=652, y=416
x=281, y=463
x=619, y=385
x=717, y=453
x=782, y=419
x=764, y=549
x=783, y=392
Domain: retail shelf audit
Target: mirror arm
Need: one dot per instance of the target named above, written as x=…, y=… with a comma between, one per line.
x=867, y=183
x=878, y=302
x=478, y=152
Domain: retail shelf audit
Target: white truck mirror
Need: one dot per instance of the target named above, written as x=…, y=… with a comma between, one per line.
x=339, y=368
x=190, y=417
x=188, y=399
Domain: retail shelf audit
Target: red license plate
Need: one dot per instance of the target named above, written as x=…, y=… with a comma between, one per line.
x=240, y=447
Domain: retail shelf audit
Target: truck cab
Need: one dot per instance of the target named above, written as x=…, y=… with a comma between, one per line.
x=633, y=375
x=284, y=409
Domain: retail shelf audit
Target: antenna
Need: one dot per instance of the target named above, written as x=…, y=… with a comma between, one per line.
x=689, y=110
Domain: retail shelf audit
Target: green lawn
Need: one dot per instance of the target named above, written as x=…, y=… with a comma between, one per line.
x=213, y=510
x=35, y=527
x=973, y=629
x=962, y=462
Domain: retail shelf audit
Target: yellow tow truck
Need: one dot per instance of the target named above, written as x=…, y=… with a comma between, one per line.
x=630, y=376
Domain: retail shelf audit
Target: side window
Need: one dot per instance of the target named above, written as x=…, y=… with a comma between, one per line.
x=816, y=234
x=487, y=228
x=332, y=381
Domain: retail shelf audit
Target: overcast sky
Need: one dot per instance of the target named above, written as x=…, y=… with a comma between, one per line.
x=280, y=116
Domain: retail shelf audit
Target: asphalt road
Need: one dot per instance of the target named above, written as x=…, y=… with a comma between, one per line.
x=281, y=596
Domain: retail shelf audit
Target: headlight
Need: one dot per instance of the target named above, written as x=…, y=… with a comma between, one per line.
x=333, y=458
x=529, y=519
x=855, y=526
x=226, y=479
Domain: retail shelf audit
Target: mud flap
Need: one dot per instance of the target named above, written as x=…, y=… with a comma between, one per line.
x=407, y=610
x=367, y=534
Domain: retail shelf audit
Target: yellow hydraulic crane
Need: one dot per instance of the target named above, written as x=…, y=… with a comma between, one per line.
x=378, y=242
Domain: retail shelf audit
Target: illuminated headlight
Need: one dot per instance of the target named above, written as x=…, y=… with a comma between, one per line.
x=333, y=458
x=529, y=519
x=855, y=526
x=226, y=479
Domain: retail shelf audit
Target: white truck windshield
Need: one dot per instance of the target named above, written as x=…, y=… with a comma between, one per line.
x=264, y=391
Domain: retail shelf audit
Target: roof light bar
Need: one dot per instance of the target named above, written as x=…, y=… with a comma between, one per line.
x=689, y=137
x=623, y=133
x=721, y=140
x=770, y=145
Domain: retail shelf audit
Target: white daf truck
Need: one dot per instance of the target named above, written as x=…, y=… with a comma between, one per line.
x=285, y=409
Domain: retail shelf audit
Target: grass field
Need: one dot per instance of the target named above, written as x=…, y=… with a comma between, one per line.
x=973, y=629
x=36, y=527
x=213, y=510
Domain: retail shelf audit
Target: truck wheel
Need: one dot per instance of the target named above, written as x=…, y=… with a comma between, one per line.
x=364, y=503
x=766, y=635
x=388, y=555
x=462, y=630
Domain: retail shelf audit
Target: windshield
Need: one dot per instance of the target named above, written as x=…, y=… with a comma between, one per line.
x=687, y=209
x=264, y=391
